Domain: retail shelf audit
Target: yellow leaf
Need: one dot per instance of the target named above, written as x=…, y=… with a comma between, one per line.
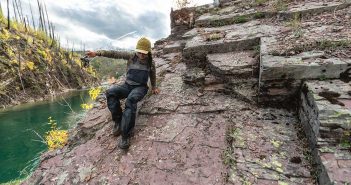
x=30, y=65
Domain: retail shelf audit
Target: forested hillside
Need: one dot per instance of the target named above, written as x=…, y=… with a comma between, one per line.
x=108, y=68
x=33, y=65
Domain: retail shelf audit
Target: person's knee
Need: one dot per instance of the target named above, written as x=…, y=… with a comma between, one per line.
x=133, y=99
x=131, y=102
x=113, y=92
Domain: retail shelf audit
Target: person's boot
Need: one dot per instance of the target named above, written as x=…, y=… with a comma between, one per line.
x=116, y=129
x=124, y=143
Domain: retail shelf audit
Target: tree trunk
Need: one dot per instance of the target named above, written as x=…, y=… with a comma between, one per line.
x=43, y=18
x=14, y=10
x=40, y=17
x=15, y=4
x=31, y=12
x=1, y=13
x=19, y=71
x=47, y=19
x=20, y=7
x=8, y=14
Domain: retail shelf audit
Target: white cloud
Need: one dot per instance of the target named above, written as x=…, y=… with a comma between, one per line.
x=99, y=23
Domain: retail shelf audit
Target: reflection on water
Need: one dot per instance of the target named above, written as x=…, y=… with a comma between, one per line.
x=21, y=125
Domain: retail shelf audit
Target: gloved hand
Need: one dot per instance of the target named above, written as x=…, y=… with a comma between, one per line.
x=90, y=54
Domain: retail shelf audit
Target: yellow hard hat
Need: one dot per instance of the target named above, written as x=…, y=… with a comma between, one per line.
x=143, y=45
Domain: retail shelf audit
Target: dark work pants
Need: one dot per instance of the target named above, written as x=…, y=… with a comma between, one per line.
x=134, y=94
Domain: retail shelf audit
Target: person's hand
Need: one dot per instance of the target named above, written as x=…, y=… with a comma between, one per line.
x=90, y=54
x=155, y=90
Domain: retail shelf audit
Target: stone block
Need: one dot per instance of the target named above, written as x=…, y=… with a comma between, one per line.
x=313, y=8
x=174, y=47
x=296, y=67
x=216, y=20
x=238, y=64
x=198, y=47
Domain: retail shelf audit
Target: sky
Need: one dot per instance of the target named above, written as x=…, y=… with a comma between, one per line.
x=107, y=24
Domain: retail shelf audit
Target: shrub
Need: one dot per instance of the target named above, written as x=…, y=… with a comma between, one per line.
x=182, y=3
x=240, y=19
x=93, y=93
x=55, y=138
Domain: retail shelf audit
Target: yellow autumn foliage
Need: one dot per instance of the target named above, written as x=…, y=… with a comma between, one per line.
x=94, y=92
x=91, y=71
x=2, y=18
x=86, y=106
x=55, y=138
x=30, y=65
x=78, y=62
x=4, y=34
x=9, y=52
x=13, y=62
x=29, y=40
x=42, y=53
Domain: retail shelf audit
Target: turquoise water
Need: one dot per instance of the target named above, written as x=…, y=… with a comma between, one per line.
x=20, y=126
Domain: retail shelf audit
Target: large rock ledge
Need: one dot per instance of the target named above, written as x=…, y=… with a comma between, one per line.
x=220, y=117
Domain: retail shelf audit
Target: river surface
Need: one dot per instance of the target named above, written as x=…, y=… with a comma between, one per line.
x=20, y=126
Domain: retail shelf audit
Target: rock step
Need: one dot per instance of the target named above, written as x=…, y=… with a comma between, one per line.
x=307, y=65
x=325, y=112
x=245, y=15
x=248, y=30
x=314, y=8
x=195, y=51
x=239, y=64
x=281, y=76
x=208, y=20
x=174, y=47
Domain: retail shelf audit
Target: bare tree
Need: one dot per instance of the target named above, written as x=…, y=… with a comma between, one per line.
x=8, y=14
x=52, y=31
x=1, y=13
x=43, y=17
x=14, y=10
x=18, y=11
x=31, y=12
x=20, y=7
x=19, y=71
x=72, y=51
x=40, y=17
x=27, y=20
x=25, y=23
x=47, y=18
x=59, y=43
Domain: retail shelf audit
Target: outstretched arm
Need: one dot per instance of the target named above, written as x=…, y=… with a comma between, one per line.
x=111, y=54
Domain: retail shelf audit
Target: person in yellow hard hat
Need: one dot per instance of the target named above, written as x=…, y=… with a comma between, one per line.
x=140, y=67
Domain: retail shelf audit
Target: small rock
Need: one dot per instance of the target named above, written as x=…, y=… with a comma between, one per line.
x=337, y=29
x=199, y=94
